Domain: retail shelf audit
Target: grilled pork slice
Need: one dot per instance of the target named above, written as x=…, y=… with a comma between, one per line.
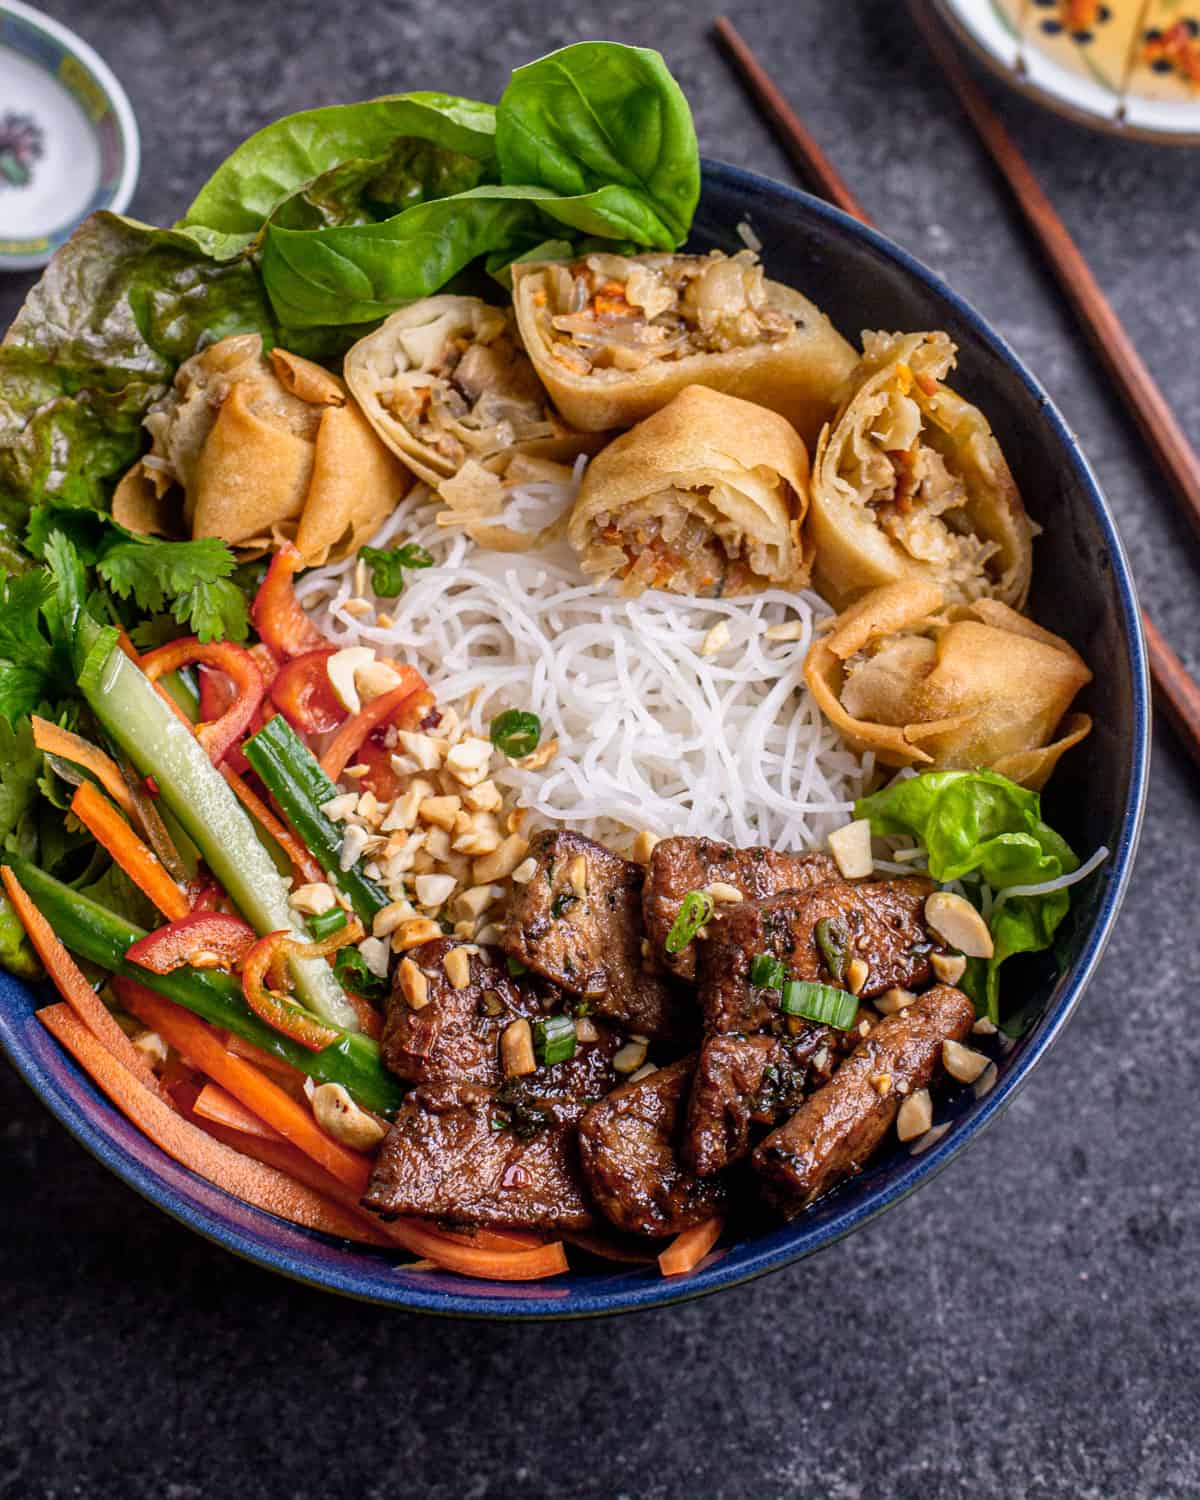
x=472, y=1155
x=835, y=1131
x=745, y=1080
x=679, y=865
x=819, y=934
x=578, y=922
x=629, y=1148
x=440, y=1029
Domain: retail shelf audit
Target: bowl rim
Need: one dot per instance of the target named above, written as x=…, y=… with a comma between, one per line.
x=127, y=127
x=803, y=1236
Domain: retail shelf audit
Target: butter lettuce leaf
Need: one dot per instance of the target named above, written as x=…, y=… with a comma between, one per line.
x=979, y=826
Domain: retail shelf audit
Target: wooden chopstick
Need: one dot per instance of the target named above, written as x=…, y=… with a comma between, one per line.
x=1178, y=693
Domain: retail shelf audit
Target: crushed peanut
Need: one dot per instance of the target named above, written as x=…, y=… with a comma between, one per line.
x=916, y=1115
x=457, y=964
x=414, y=986
x=516, y=1050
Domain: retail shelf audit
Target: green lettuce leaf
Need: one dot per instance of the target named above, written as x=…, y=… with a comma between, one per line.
x=97, y=341
x=979, y=825
x=398, y=150
x=602, y=116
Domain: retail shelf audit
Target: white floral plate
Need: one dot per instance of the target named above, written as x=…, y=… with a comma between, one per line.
x=1128, y=66
x=68, y=138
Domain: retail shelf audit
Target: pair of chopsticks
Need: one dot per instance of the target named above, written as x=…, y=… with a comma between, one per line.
x=1177, y=693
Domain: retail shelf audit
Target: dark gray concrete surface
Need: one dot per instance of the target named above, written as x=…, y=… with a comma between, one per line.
x=1027, y=1325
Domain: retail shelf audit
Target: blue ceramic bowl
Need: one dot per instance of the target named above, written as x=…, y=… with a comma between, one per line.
x=1082, y=590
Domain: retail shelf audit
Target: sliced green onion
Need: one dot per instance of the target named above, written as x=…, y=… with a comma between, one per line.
x=697, y=908
x=516, y=733
x=833, y=945
x=766, y=971
x=553, y=1040
x=819, y=1002
x=326, y=922
x=515, y=967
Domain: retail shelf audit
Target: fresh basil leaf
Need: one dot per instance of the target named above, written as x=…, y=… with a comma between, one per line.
x=600, y=115
x=290, y=154
x=362, y=272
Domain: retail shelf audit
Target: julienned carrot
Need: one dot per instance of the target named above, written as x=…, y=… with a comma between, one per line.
x=215, y=1104
x=687, y=1250
x=51, y=739
x=489, y=1265
x=202, y=1046
x=74, y=988
x=497, y=1239
x=303, y=862
x=500, y=1260
x=138, y=860
x=276, y=1065
x=239, y=1175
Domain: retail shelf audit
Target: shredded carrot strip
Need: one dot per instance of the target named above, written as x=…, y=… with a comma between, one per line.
x=215, y=1104
x=74, y=988
x=687, y=1250
x=238, y=1174
x=201, y=1045
x=138, y=860
x=261, y=1058
x=53, y=740
x=305, y=866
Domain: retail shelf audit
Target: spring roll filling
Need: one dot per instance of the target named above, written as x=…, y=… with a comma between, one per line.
x=682, y=541
x=892, y=467
x=609, y=314
x=460, y=396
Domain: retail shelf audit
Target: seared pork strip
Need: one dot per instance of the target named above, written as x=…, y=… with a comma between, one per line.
x=629, y=1148
x=461, y=1153
x=454, y=1035
x=681, y=864
x=578, y=922
x=834, y=1132
x=880, y=923
x=754, y=1079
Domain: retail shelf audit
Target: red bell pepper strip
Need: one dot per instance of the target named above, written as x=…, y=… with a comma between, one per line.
x=354, y=732
x=304, y=695
x=204, y=940
x=380, y=778
x=276, y=613
x=268, y=959
x=217, y=737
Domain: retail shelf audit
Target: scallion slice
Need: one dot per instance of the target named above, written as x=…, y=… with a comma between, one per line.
x=553, y=1040
x=819, y=1002
x=326, y=922
x=515, y=967
x=766, y=971
x=516, y=733
x=697, y=908
x=831, y=940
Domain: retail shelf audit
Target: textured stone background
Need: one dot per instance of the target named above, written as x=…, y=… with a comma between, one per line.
x=1026, y=1326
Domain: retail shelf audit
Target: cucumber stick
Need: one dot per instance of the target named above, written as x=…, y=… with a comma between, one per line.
x=159, y=745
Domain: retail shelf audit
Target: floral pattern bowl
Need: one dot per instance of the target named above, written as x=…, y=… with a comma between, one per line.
x=68, y=138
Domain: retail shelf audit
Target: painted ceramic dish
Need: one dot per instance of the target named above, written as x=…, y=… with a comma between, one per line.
x=1128, y=66
x=68, y=138
x=864, y=281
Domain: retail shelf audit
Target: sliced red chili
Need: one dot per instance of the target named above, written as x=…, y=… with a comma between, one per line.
x=276, y=612
x=204, y=940
x=304, y=695
x=353, y=733
x=267, y=959
x=237, y=664
x=380, y=778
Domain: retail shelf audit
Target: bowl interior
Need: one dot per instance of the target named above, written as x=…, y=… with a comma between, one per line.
x=862, y=281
